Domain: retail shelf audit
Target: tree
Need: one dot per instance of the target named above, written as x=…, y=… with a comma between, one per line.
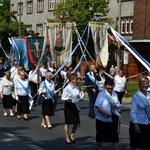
x=81, y=12
x=9, y=25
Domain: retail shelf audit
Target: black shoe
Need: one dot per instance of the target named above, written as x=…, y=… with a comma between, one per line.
x=50, y=127
x=25, y=119
x=73, y=141
x=92, y=116
x=67, y=142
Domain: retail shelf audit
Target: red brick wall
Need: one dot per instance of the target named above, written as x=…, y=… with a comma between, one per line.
x=141, y=26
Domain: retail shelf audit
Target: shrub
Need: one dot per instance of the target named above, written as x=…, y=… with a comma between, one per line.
x=132, y=87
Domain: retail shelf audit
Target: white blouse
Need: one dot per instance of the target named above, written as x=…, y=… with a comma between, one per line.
x=19, y=90
x=73, y=92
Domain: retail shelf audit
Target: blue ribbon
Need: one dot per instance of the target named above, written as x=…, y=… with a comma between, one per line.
x=144, y=102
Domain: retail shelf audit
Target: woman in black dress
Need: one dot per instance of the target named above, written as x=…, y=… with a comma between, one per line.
x=47, y=89
x=71, y=95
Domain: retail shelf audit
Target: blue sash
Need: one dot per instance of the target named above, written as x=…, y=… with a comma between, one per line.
x=26, y=89
x=49, y=90
x=94, y=81
x=143, y=100
x=115, y=111
x=73, y=97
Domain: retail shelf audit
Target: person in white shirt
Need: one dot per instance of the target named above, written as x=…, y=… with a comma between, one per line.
x=6, y=89
x=22, y=96
x=13, y=70
x=139, y=129
x=120, y=85
x=34, y=81
x=43, y=71
x=71, y=95
x=47, y=89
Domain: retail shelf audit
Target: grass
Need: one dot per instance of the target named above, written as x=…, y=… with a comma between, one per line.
x=132, y=87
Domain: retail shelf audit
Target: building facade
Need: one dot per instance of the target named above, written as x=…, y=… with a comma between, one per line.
x=34, y=12
x=134, y=16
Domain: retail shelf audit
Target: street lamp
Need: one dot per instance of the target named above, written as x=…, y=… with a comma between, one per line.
x=20, y=18
x=119, y=31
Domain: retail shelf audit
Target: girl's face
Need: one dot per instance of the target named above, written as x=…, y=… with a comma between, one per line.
x=74, y=80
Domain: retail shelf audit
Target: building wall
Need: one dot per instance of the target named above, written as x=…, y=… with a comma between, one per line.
x=141, y=19
x=34, y=18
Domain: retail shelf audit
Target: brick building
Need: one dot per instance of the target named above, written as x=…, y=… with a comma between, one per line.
x=141, y=36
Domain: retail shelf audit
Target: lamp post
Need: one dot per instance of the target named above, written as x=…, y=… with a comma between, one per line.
x=119, y=31
x=20, y=18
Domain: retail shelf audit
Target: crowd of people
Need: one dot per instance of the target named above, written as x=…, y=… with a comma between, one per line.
x=19, y=86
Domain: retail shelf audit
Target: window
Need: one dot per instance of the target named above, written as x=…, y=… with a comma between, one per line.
x=12, y=7
x=51, y=4
x=39, y=29
x=29, y=27
x=126, y=25
x=40, y=5
x=29, y=7
x=20, y=8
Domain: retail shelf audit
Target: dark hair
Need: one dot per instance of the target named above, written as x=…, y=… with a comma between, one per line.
x=109, y=81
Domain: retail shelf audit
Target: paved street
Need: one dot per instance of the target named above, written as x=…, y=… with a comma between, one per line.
x=28, y=135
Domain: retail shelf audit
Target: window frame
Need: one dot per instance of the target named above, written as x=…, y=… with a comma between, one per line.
x=37, y=29
x=51, y=5
x=31, y=7
x=40, y=6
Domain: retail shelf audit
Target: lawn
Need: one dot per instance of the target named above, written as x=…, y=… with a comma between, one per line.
x=132, y=87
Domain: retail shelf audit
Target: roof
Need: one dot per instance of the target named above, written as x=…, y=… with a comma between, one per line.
x=140, y=41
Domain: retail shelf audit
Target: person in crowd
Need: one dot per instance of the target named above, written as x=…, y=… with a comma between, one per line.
x=63, y=74
x=17, y=73
x=149, y=81
x=107, y=116
x=69, y=70
x=139, y=130
x=71, y=95
x=34, y=81
x=101, y=79
x=22, y=96
x=13, y=69
x=3, y=68
x=112, y=71
x=79, y=74
x=92, y=88
x=57, y=80
x=120, y=85
x=47, y=89
x=6, y=89
x=43, y=71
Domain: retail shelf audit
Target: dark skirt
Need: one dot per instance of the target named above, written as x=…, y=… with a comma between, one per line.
x=140, y=140
x=23, y=105
x=47, y=107
x=107, y=131
x=71, y=113
x=7, y=101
